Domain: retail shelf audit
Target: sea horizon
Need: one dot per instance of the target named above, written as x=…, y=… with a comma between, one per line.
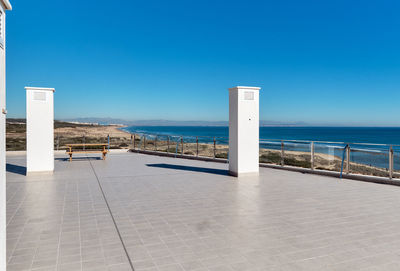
x=359, y=134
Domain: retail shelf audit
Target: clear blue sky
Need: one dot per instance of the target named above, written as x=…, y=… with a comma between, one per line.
x=331, y=62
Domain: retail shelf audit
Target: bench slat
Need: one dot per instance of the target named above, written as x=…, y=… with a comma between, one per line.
x=87, y=144
x=87, y=152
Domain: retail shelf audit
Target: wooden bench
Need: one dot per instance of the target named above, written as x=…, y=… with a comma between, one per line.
x=103, y=150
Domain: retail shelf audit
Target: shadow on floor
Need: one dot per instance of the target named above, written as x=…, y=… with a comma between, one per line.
x=16, y=169
x=78, y=158
x=190, y=168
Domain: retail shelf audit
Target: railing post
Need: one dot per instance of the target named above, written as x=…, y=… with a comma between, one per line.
x=312, y=156
x=84, y=141
x=168, y=144
x=134, y=141
x=391, y=162
x=181, y=145
x=155, y=144
x=282, y=154
x=348, y=159
x=197, y=146
x=58, y=141
x=215, y=148
x=131, y=139
x=108, y=141
x=144, y=142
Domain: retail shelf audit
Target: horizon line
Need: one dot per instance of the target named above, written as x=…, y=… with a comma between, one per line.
x=209, y=123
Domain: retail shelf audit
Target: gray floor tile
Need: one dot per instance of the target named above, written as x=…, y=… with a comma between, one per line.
x=190, y=219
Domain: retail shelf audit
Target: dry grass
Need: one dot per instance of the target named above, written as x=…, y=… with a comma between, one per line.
x=67, y=133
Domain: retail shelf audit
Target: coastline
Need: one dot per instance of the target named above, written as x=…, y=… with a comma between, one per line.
x=122, y=138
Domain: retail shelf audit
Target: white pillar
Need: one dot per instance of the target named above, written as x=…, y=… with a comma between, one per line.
x=39, y=130
x=4, y=5
x=244, y=131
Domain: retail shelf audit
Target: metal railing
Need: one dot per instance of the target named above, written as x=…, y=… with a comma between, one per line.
x=113, y=141
x=199, y=146
x=346, y=158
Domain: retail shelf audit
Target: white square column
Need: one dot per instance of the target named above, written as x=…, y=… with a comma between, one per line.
x=39, y=130
x=244, y=125
x=4, y=5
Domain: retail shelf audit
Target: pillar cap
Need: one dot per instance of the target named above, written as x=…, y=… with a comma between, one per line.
x=43, y=89
x=244, y=87
x=6, y=4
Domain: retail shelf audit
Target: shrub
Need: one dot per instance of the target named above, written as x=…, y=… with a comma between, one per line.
x=223, y=155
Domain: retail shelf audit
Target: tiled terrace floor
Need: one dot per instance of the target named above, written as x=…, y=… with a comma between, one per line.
x=175, y=214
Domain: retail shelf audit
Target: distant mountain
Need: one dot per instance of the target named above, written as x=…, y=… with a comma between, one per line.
x=177, y=123
x=105, y=121
x=102, y=121
x=108, y=121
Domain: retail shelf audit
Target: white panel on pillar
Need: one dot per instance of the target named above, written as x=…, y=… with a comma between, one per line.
x=244, y=131
x=39, y=130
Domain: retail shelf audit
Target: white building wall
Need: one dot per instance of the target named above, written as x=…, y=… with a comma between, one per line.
x=39, y=129
x=244, y=131
x=3, y=260
x=2, y=162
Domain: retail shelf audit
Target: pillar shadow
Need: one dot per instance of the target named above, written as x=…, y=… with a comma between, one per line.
x=16, y=169
x=191, y=168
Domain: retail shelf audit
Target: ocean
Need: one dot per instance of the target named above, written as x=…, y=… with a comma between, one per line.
x=384, y=135
x=375, y=155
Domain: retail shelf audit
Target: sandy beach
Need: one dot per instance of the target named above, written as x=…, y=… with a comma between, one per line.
x=67, y=133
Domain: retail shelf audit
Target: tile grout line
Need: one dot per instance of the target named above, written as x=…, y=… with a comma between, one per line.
x=112, y=216
x=79, y=224
x=23, y=228
x=61, y=225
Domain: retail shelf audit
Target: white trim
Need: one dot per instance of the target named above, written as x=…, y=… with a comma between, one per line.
x=6, y=4
x=243, y=87
x=2, y=27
